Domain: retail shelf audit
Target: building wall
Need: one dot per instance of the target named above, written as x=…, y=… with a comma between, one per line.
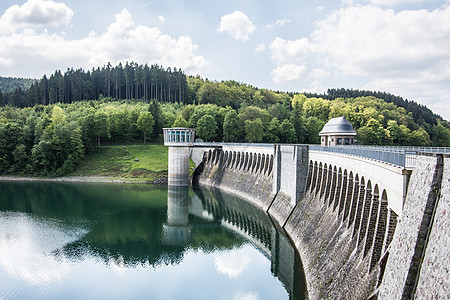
x=332, y=140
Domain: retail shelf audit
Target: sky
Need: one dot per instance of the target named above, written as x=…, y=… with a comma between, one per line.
x=398, y=46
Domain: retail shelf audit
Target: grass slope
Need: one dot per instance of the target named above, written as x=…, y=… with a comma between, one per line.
x=133, y=162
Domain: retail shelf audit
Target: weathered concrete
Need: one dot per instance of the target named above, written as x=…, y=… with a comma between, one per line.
x=178, y=172
x=335, y=267
x=290, y=171
x=178, y=140
x=388, y=177
x=410, y=239
x=244, y=174
x=341, y=221
x=434, y=280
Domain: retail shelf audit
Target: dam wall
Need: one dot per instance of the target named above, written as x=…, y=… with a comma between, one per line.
x=354, y=221
x=418, y=263
x=241, y=171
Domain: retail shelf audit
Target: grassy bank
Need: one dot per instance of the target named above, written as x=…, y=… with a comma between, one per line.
x=132, y=162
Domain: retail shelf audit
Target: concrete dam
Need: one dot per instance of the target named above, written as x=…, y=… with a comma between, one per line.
x=367, y=222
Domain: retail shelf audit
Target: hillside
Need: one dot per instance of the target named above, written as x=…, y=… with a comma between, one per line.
x=131, y=162
x=52, y=139
x=9, y=84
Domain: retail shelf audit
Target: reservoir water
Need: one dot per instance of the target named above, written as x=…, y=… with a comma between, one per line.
x=106, y=241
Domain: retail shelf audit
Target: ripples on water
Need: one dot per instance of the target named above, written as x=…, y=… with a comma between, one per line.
x=71, y=241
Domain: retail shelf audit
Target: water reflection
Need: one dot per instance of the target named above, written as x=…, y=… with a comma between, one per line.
x=26, y=254
x=68, y=236
x=256, y=226
x=177, y=230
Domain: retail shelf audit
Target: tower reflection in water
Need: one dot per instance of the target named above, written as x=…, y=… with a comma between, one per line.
x=177, y=230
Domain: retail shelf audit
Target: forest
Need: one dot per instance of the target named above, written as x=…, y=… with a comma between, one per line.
x=49, y=127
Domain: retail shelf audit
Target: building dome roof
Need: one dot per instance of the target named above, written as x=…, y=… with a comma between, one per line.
x=338, y=126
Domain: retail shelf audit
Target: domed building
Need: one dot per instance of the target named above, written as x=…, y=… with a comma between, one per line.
x=337, y=132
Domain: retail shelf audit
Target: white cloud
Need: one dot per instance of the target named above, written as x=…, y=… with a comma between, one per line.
x=278, y=23
x=391, y=3
x=288, y=72
x=161, y=18
x=237, y=25
x=403, y=52
x=318, y=74
x=290, y=51
x=29, y=50
x=347, y=2
x=232, y=264
x=241, y=295
x=317, y=87
x=35, y=13
x=6, y=62
x=26, y=245
x=260, y=48
x=364, y=40
x=425, y=90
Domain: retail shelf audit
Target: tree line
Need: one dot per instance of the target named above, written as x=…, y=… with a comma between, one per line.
x=52, y=139
x=421, y=113
x=73, y=115
x=131, y=81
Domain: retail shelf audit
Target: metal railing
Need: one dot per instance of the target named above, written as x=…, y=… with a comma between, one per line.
x=220, y=144
x=404, y=157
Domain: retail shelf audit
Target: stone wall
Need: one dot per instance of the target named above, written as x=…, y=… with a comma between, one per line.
x=248, y=175
x=290, y=171
x=434, y=280
x=331, y=247
x=418, y=259
x=341, y=225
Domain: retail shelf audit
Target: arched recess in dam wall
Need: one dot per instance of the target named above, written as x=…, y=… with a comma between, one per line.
x=341, y=219
x=238, y=171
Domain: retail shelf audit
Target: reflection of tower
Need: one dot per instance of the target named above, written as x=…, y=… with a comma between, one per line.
x=179, y=140
x=177, y=230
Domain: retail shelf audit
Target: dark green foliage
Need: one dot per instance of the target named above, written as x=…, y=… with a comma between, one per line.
x=232, y=130
x=10, y=84
x=421, y=113
x=254, y=130
x=313, y=126
x=273, y=131
x=155, y=109
x=130, y=82
x=287, y=131
x=145, y=123
x=298, y=123
x=73, y=113
x=206, y=128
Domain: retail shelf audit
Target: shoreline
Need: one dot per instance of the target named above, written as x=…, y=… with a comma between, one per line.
x=85, y=179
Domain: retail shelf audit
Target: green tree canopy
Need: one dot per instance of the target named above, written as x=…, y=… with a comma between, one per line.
x=254, y=130
x=180, y=122
x=287, y=132
x=273, y=131
x=145, y=123
x=232, y=130
x=206, y=128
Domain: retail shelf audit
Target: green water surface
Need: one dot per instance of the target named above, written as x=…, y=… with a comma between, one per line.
x=105, y=241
